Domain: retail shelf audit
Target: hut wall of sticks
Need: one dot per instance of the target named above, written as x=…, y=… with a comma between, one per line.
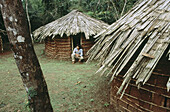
x=62, y=35
x=1, y=45
x=135, y=51
x=59, y=48
x=152, y=96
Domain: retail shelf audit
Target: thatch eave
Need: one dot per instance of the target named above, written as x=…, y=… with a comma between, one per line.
x=71, y=24
x=168, y=55
x=147, y=25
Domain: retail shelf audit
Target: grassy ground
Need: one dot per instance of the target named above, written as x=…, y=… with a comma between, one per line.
x=72, y=88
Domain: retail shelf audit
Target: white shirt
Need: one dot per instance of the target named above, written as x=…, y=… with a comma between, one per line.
x=76, y=51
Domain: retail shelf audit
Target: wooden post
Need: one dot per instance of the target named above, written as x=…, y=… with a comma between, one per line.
x=18, y=33
x=1, y=45
x=72, y=45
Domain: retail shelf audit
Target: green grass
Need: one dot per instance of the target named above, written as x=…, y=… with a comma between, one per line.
x=72, y=88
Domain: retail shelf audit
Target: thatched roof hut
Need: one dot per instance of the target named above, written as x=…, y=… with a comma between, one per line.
x=64, y=33
x=134, y=50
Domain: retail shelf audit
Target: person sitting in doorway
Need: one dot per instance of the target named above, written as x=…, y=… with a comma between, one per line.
x=77, y=54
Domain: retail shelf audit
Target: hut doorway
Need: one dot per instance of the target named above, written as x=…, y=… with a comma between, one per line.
x=76, y=40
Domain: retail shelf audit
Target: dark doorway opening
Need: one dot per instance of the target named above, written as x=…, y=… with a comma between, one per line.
x=76, y=40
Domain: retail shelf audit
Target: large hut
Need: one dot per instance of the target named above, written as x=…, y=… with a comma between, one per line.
x=63, y=34
x=134, y=51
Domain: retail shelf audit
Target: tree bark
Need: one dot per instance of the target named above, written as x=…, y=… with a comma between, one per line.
x=24, y=54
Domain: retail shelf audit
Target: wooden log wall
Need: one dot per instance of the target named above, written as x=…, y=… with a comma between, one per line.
x=153, y=96
x=50, y=48
x=86, y=45
x=63, y=48
x=1, y=45
x=59, y=48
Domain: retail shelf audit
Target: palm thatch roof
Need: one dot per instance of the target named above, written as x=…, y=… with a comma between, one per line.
x=168, y=54
x=147, y=24
x=71, y=24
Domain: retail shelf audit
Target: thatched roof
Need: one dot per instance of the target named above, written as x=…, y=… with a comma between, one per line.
x=71, y=24
x=147, y=24
x=168, y=55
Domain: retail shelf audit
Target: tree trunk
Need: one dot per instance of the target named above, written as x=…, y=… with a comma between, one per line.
x=24, y=54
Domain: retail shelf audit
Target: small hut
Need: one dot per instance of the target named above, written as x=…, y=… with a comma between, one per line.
x=63, y=34
x=1, y=45
x=134, y=51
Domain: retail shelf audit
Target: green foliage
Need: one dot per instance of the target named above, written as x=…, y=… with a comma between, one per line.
x=106, y=104
x=32, y=92
x=107, y=10
x=27, y=104
x=92, y=100
x=37, y=14
x=42, y=12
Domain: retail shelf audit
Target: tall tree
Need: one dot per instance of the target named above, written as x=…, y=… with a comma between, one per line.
x=24, y=54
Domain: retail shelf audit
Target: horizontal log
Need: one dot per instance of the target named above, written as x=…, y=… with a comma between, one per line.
x=146, y=102
x=160, y=74
x=50, y=48
x=148, y=87
x=62, y=40
x=83, y=42
x=63, y=49
x=63, y=43
x=86, y=47
x=50, y=53
x=62, y=56
x=87, y=44
x=143, y=103
x=63, y=46
x=51, y=45
x=63, y=53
